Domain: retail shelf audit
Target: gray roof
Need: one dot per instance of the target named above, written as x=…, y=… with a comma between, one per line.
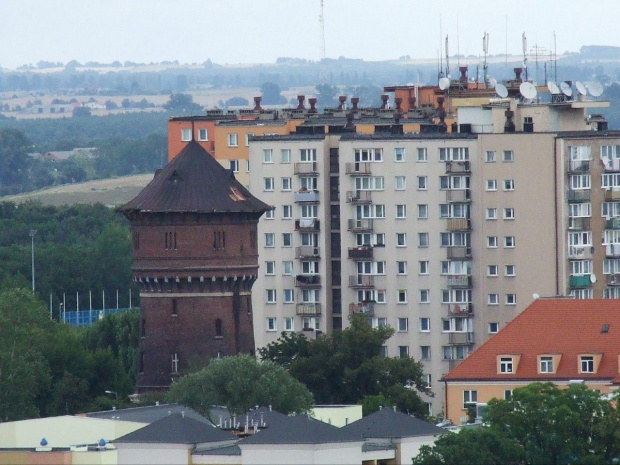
x=409, y=136
x=148, y=414
x=386, y=423
x=299, y=429
x=225, y=450
x=176, y=429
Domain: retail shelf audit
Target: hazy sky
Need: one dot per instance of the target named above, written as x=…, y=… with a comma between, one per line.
x=243, y=31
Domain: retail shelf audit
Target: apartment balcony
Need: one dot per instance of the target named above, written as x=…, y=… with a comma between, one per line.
x=459, y=281
x=579, y=195
x=307, y=251
x=458, y=252
x=612, y=194
x=358, y=169
x=461, y=338
x=612, y=223
x=612, y=250
x=613, y=279
x=612, y=165
x=359, y=197
x=360, y=225
x=306, y=281
x=580, y=282
x=458, y=167
x=307, y=224
x=578, y=223
x=363, y=308
x=578, y=166
x=458, y=195
x=306, y=169
x=582, y=251
x=460, y=309
x=459, y=224
x=361, y=281
x=309, y=308
x=361, y=253
x=307, y=196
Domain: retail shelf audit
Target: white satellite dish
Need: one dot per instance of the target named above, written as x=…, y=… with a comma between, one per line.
x=592, y=278
x=535, y=296
x=595, y=88
x=501, y=90
x=528, y=90
x=566, y=89
x=581, y=88
x=492, y=83
x=444, y=83
x=553, y=88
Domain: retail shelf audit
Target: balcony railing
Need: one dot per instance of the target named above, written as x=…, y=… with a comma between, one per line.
x=579, y=195
x=456, y=252
x=361, y=281
x=307, y=224
x=612, y=223
x=461, y=338
x=578, y=166
x=360, y=225
x=309, y=308
x=306, y=168
x=460, y=309
x=578, y=223
x=613, y=280
x=579, y=282
x=459, y=224
x=458, y=167
x=364, y=308
x=612, y=194
x=307, y=196
x=361, y=253
x=581, y=251
x=307, y=251
x=456, y=281
x=612, y=165
x=362, y=168
x=308, y=280
x=612, y=250
x=458, y=195
x=357, y=197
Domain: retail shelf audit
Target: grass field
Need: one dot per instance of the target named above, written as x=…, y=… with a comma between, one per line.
x=110, y=192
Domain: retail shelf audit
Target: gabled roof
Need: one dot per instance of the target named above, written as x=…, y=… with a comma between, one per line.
x=176, y=429
x=194, y=182
x=386, y=423
x=298, y=429
x=550, y=326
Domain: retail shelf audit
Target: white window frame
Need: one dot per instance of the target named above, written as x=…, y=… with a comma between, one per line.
x=285, y=156
x=493, y=299
x=401, y=296
x=511, y=299
x=287, y=212
x=270, y=239
x=287, y=239
x=493, y=327
x=509, y=242
x=270, y=268
x=546, y=364
x=186, y=134
x=271, y=296
x=421, y=155
x=509, y=213
x=400, y=182
x=491, y=185
x=491, y=156
x=402, y=325
x=401, y=239
x=233, y=139
x=201, y=137
x=506, y=365
x=422, y=211
x=508, y=156
x=233, y=165
x=268, y=184
x=287, y=268
x=509, y=185
x=510, y=271
x=491, y=213
x=425, y=325
x=492, y=271
x=399, y=154
x=267, y=156
x=271, y=324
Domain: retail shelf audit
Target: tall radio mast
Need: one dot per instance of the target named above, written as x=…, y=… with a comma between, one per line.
x=322, y=24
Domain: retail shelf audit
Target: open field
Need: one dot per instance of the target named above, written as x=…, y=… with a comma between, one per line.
x=112, y=192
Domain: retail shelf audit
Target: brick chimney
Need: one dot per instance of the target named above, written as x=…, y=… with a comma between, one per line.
x=518, y=72
x=463, y=70
x=412, y=102
x=343, y=102
x=312, y=102
x=354, y=102
x=509, y=126
x=257, y=101
x=300, y=99
x=385, y=105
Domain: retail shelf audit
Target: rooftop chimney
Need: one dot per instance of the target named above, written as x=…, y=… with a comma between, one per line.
x=518, y=72
x=343, y=102
x=350, y=124
x=509, y=126
x=300, y=99
x=385, y=105
x=354, y=102
x=463, y=70
x=257, y=101
x=312, y=102
x=412, y=102
x=442, y=114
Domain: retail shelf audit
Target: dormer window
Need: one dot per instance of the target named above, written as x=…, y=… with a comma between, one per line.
x=506, y=365
x=587, y=364
x=546, y=364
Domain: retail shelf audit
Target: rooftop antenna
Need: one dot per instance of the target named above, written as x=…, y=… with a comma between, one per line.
x=440, y=48
x=447, y=60
x=458, y=43
x=322, y=24
x=555, y=58
x=524, y=43
x=485, y=66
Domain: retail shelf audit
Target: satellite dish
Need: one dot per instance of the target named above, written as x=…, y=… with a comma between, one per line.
x=492, y=83
x=553, y=88
x=581, y=88
x=566, y=89
x=595, y=88
x=528, y=90
x=592, y=278
x=501, y=90
x=535, y=296
x=444, y=83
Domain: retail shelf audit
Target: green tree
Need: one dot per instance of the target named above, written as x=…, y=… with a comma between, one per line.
x=79, y=112
x=183, y=103
x=240, y=383
x=271, y=94
x=327, y=95
x=14, y=160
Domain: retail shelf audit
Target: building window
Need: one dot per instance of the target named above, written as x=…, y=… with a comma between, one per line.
x=425, y=296
x=546, y=364
x=401, y=239
x=511, y=299
x=427, y=379
x=491, y=213
x=233, y=140
x=270, y=214
x=491, y=156
x=186, y=135
x=510, y=270
x=267, y=156
x=399, y=154
x=509, y=242
x=422, y=183
x=203, y=135
x=143, y=329
x=384, y=352
x=286, y=184
x=287, y=239
x=401, y=183
x=289, y=324
x=423, y=212
x=425, y=324
x=469, y=397
x=403, y=351
x=287, y=268
x=508, y=156
x=493, y=299
x=270, y=240
x=271, y=296
x=505, y=365
x=289, y=296
x=287, y=212
x=307, y=155
x=422, y=239
x=422, y=154
x=509, y=213
x=493, y=327
x=587, y=364
x=247, y=138
x=401, y=211
x=218, y=328
x=401, y=296
x=247, y=166
x=425, y=352
x=509, y=184
x=491, y=242
x=492, y=270
x=268, y=183
x=423, y=266
x=175, y=310
x=174, y=358
x=507, y=394
x=403, y=325
x=233, y=165
x=272, y=323
x=285, y=155
x=270, y=268
x=401, y=268
x=491, y=185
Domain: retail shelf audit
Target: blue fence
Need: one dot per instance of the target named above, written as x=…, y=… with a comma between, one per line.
x=89, y=317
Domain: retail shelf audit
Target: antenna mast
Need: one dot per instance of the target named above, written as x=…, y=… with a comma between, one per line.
x=524, y=42
x=447, y=60
x=485, y=66
x=322, y=24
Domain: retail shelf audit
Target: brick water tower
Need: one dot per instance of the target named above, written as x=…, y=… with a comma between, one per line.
x=195, y=258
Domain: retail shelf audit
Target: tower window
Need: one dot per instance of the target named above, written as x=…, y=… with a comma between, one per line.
x=175, y=363
x=218, y=328
x=174, y=307
x=143, y=329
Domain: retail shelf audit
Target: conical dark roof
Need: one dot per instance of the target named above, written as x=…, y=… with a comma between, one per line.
x=386, y=423
x=194, y=182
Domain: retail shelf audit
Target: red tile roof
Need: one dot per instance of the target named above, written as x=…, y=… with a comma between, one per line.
x=551, y=326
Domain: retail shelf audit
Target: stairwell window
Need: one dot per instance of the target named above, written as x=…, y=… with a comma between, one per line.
x=186, y=135
x=218, y=328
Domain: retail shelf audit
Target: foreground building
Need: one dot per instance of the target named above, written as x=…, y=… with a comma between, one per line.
x=559, y=340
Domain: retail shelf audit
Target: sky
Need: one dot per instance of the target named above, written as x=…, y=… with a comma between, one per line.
x=252, y=31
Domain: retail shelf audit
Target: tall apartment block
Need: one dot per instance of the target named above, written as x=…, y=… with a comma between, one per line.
x=445, y=237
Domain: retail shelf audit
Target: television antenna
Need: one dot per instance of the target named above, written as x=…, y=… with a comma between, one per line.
x=524, y=44
x=485, y=48
x=322, y=25
x=447, y=59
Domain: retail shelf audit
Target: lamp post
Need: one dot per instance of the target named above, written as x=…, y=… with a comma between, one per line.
x=112, y=392
x=33, y=232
